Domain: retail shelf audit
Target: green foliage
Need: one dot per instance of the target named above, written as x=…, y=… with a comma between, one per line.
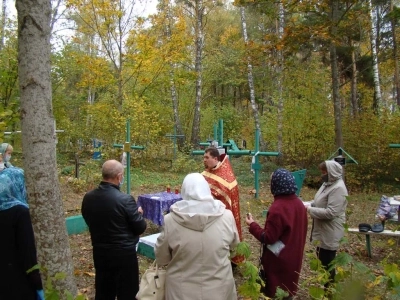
x=89, y=176
x=233, y=121
x=368, y=139
x=68, y=170
x=250, y=288
x=52, y=294
x=185, y=164
x=353, y=280
x=243, y=249
x=392, y=273
x=9, y=93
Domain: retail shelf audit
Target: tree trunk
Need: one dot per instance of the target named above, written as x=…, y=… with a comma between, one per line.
x=250, y=78
x=3, y=23
x=172, y=86
x=279, y=74
x=199, y=45
x=395, y=56
x=335, y=75
x=38, y=142
x=375, y=66
x=354, y=96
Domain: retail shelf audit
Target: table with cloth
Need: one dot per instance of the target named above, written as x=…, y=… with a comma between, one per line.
x=155, y=205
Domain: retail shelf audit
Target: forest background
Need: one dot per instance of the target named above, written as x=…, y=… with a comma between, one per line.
x=312, y=76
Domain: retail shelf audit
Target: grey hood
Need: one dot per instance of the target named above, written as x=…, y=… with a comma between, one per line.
x=198, y=210
x=335, y=171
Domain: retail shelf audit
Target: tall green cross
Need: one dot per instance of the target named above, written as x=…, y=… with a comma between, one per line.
x=127, y=147
x=174, y=138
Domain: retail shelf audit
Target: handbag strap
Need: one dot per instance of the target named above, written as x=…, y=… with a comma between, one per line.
x=154, y=266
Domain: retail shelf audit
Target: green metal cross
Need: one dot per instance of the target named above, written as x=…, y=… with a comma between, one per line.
x=174, y=138
x=127, y=147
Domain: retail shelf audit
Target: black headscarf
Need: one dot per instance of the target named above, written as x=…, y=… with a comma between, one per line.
x=283, y=183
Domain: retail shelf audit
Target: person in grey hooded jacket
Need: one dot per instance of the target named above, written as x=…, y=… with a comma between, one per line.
x=328, y=210
x=195, y=243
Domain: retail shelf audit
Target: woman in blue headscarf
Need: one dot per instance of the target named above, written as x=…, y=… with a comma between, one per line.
x=19, y=271
x=6, y=151
x=283, y=236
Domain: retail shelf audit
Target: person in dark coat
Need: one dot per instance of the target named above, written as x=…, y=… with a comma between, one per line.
x=115, y=225
x=19, y=270
x=284, y=236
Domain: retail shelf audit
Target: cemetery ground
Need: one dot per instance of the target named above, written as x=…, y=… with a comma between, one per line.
x=361, y=209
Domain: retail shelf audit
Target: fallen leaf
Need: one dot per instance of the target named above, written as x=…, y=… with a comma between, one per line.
x=77, y=272
x=91, y=274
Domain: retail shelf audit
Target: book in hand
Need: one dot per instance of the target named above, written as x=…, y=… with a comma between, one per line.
x=276, y=248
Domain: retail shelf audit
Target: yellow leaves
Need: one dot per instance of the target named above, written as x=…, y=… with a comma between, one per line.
x=96, y=72
x=373, y=284
x=231, y=33
x=391, y=242
x=340, y=270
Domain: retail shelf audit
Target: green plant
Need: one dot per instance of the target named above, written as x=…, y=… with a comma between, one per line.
x=91, y=172
x=251, y=287
x=353, y=280
x=68, y=170
x=52, y=294
x=253, y=282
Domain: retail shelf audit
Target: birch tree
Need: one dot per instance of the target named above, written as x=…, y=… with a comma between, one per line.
x=197, y=11
x=38, y=142
x=335, y=73
x=375, y=67
x=3, y=22
x=279, y=71
x=173, y=90
x=395, y=54
x=250, y=78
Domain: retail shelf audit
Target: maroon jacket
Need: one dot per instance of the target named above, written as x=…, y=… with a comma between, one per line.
x=287, y=222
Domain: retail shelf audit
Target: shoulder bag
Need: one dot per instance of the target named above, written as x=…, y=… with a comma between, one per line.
x=152, y=284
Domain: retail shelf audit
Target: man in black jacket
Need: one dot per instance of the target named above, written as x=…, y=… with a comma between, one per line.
x=115, y=225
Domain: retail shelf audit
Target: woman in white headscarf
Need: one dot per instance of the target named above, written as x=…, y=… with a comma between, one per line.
x=195, y=243
x=328, y=210
x=6, y=151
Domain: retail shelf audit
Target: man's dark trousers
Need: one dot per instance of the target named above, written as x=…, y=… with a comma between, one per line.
x=116, y=277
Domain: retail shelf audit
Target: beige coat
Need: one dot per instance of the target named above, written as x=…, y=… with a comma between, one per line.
x=329, y=210
x=196, y=248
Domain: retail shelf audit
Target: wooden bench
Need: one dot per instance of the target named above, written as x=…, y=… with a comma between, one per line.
x=369, y=233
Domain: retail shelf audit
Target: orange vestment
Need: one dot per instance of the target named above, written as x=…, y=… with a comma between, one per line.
x=224, y=187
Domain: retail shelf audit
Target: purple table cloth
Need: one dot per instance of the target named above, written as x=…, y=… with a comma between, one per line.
x=155, y=205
